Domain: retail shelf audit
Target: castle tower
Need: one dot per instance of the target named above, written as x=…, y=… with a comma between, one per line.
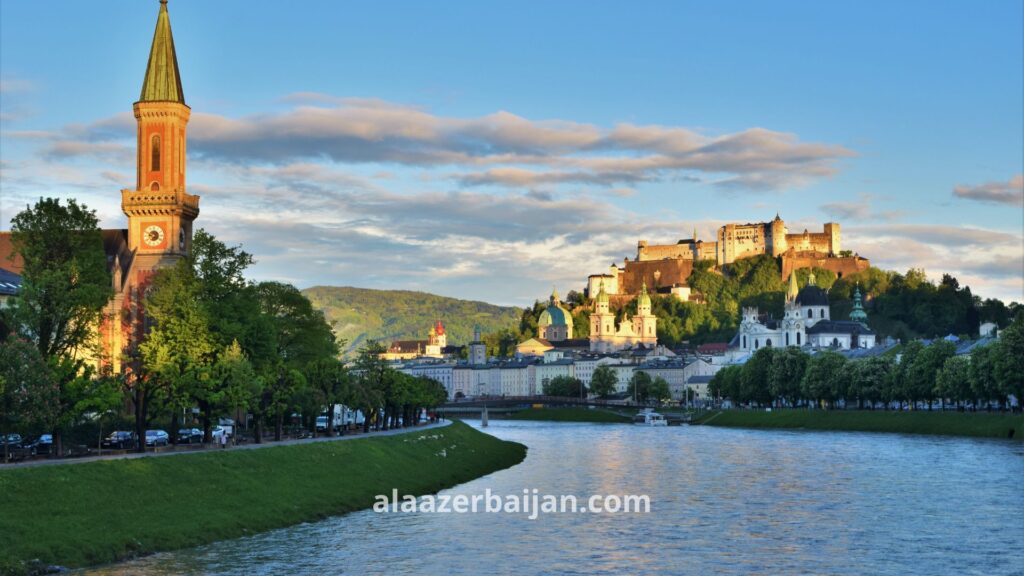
x=776, y=244
x=834, y=237
x=160, y=212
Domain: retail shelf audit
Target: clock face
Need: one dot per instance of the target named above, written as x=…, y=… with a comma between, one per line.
x=153, y=235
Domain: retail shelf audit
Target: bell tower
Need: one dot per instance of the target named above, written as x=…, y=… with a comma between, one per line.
x=160, y=212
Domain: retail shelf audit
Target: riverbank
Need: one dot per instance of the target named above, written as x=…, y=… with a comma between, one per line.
x=106, y=511
x=570, y=415
x=946, y=423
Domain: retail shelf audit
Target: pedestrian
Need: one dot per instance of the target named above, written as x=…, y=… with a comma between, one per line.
x=223, y=439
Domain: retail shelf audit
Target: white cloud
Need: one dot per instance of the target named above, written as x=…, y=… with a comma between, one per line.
x=1011, y=192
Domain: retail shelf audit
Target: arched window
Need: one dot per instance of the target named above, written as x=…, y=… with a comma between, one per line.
x=810, y=313
x=155, y=186
x=744, y=341
x=797, y=338
x=787, y=338
x=835, y=342
x=768, y=343
x=757, y=344
x=154, y=149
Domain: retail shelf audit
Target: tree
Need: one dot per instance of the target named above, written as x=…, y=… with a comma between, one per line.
x=822, y=380
x=755, y=379
x=240, y=387
x=985, y=385
x=953, y=380
x=639, y=388
x=659, y=390
x=179, y=352
x=785, y=373
x=566, y=386
x=329, y=381
x=65, y=286
x=28, y=388
x=604, y=381
x=923, y=368
x=1009, y=363
x=65, y=283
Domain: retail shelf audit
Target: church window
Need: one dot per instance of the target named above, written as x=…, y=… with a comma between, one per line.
x=787, y=338
x=757, y=344
x=154, y=148
x=744, y=341
x=797, y=338
x=768, y=343
x=810, y=313
x=155, y=187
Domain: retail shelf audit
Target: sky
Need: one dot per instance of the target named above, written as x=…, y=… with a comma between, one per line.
x=490, y=151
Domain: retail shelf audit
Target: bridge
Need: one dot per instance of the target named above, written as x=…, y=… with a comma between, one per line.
x=508, y=404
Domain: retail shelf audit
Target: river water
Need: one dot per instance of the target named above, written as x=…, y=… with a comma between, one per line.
x=723, y=501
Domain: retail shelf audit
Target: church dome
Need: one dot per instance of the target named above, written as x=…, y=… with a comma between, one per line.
x=555, y=314
x=812, y=295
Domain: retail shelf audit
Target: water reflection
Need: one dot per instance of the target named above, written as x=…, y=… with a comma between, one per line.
x=723, y=502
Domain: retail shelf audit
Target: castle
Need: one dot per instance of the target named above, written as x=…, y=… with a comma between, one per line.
x=667, y=267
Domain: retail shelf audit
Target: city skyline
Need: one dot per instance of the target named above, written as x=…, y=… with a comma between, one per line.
x=489, y=155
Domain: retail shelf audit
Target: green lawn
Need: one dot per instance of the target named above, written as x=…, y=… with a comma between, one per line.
x=949, y=423
x=570, y=415
x=82, y=514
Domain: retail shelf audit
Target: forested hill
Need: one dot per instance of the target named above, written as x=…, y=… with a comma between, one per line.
x=358, y=314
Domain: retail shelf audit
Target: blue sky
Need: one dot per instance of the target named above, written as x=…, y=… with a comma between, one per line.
x=488, y=151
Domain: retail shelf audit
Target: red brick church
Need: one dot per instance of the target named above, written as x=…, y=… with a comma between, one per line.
x=160, y=212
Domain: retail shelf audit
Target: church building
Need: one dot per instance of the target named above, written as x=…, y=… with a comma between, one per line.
x=640, y=330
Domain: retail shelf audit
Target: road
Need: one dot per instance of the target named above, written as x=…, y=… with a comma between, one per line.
x=247, y=446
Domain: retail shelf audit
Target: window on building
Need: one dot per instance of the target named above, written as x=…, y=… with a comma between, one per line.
x=757, y=344
x=810, y=313
x=787, y=338
x=744, y=341
x=797, y=338
x=154, y=149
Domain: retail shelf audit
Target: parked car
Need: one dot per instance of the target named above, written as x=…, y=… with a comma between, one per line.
x=190, y=435
x=12, y=445
x=157, y=438
x=219, y=431
x=119, y=440
x=41, y=445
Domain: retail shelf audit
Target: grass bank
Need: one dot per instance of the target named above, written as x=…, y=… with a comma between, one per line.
x=82, y=514
x=907, y=422
x=570, y=415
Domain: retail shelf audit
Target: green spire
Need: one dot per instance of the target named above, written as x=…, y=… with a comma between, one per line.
x=643, y=300
x=858, y=314
x=602, y=296
x=163, y=82
x=554, y=294
x=793, y=290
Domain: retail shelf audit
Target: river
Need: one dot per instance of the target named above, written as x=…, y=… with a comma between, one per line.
x=723, y=501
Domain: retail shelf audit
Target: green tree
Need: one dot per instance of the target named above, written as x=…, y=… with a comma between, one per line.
x=659, y=390
x=823, y=379
x=65, y=283
x=604, y=381
x=755, y=377
x=1009, y=363
x=179, y=352
x=566, y=386
x=953, y=380
x=785, y=373
x=923, y=369
x=329, y=381
x=65, y=286
x=28, y=388
x=985, y=385
x=639, y=387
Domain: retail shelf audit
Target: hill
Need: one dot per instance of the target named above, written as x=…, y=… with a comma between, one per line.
x=359, y=314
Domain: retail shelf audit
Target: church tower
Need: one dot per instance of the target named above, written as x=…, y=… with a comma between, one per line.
x=645, y=323
x=602, y=323
x=160, y=212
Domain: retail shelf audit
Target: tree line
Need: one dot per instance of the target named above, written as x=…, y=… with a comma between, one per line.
x=216, y=343
x=923, y=373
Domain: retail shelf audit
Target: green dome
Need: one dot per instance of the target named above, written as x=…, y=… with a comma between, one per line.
x=602, y=296
x=555, y=315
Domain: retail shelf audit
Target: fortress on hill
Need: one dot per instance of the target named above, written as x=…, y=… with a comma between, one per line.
x=666, y=267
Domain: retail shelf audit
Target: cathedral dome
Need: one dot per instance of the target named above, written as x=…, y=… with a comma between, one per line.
x=555, y=314
x=812, y=295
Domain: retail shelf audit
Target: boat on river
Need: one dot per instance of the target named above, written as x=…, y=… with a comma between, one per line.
x=649, y=417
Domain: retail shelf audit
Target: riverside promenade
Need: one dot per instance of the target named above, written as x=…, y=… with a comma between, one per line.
x=172, y=451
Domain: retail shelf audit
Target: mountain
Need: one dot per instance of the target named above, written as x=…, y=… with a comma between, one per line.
x=359, y=314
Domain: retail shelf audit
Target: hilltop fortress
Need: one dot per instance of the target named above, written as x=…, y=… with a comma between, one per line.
x=666, y=267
